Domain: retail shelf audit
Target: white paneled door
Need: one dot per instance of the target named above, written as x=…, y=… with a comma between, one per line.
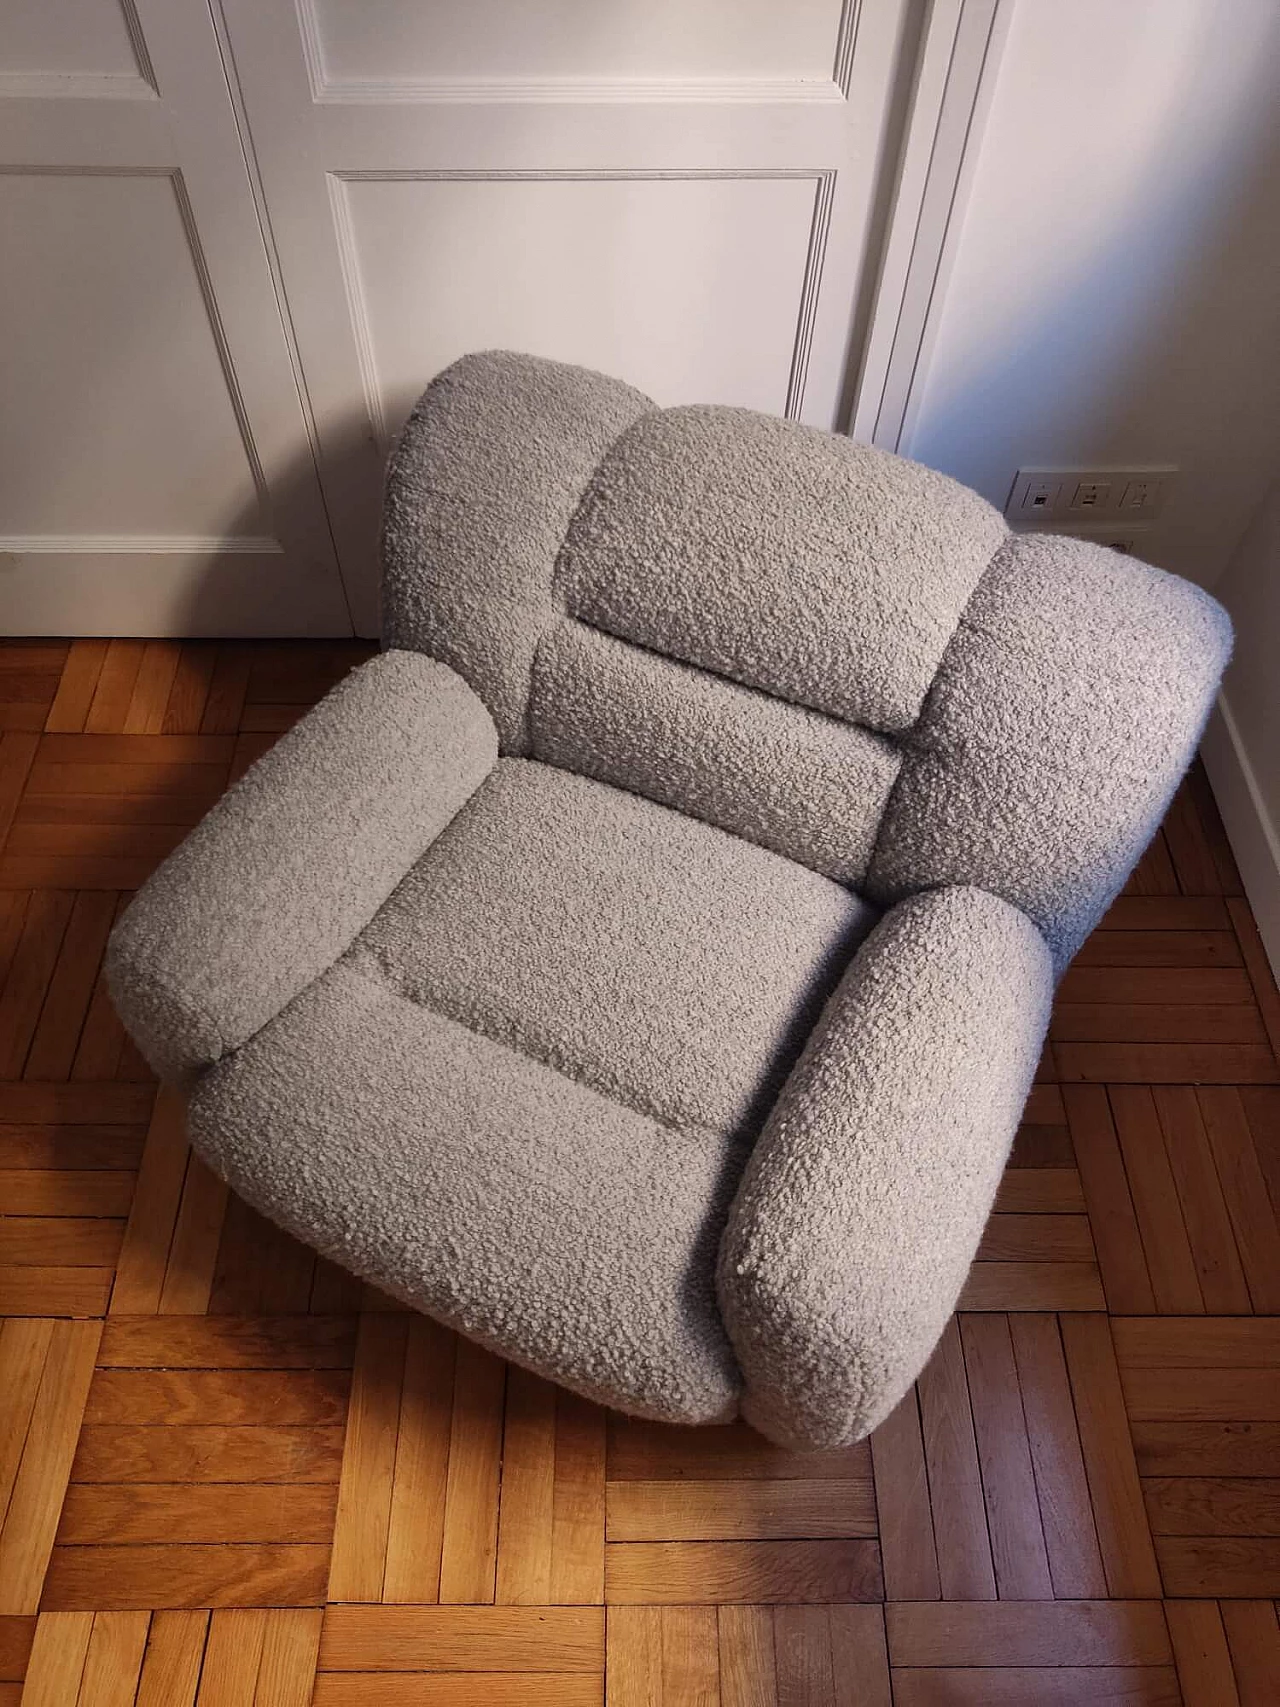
x=156, y=471
x=249, y=231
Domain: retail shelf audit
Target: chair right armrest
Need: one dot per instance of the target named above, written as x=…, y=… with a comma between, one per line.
x=864, y=1200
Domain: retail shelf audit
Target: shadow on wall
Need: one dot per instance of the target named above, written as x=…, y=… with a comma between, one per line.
x=294, y=514
x=1113, y=299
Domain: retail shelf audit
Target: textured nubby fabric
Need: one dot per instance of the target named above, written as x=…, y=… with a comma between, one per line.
x=792, y=560
x=805, y=785
x=543, y=1219
x=487, y=472
x=1059, y=725
x=813, y=779
x=672, y=966
x=867, y=1192
x=295, y=859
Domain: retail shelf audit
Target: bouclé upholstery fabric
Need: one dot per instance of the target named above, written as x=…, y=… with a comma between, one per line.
x=642, y=964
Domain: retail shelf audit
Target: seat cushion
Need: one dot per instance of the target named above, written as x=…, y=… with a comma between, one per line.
x=554, y=1226
x=669, y=964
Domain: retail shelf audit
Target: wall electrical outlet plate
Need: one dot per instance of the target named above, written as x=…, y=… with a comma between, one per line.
x=1046, y=497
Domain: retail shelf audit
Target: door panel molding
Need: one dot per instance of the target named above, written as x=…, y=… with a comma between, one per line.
x=266, y=565
x=806, y=309
x=509, y=90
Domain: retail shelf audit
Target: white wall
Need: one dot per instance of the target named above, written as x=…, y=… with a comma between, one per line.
x=1242, y=747
x=1112, y=298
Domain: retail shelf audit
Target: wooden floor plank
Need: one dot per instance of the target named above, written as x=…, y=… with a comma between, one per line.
x=220, y=1342
x=1018, y=1552
x=16, y=1637
x=77, y=685
x=1213, y=1505
x=1204, y=1211
x=258, y=1453
x=1174, y=1280
x=1062, y=1488
x=578, y=1514
x=462, y=1638
x=113, y=1663
x=1119, y=1514
x=963, y=1545
x=113, y=692
x=35, y=956
x=171, y=1664
x=157, y=1512
x=1205, y=1672
x=218, y=1396
x=476, y=1689
x=119, y=1578
x=1206, y=1448
x=415, y=1526
x=1255, y=1223
x=189, y=691
x=1050, y=1633
x=1064, y=1686
x=150, y=697
x=144, y=1257
x=1253, y=1637
x=369, y=1461
x=726, y=1511
x=469, y=1549
x=903, y=1507
x=748, y=1665
x=1202, y=1395
x=1033, y=1286
x=287, y=1668
x=1224, y=1567
x=1166, y=1063
x=40, y=1481
x=17, y=754
x=1256, y=964
x=772, y=1572
x=57, y=1659
x=656, y=1452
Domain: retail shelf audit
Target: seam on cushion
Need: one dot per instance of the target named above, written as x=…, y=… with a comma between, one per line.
x=555, y=588
x=185, y=1003
x=848, y=887
x=913, y=740
x=357, y=960
x=896, y=743
x=559, y=568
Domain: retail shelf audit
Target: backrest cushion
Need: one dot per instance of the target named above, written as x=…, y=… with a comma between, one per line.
x=481, y=486
x=817, y=646
x=793, y=561
x=777, y=774
x=1065, y=711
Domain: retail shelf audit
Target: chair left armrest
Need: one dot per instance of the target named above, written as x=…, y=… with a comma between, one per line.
x=295, y=859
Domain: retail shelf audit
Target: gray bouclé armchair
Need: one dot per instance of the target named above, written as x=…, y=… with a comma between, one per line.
x=641, y=965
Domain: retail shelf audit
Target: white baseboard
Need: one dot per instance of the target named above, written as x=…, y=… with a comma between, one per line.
x=1250, y=827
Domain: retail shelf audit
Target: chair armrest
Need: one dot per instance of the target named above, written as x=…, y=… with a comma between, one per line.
x=295, y=859
x=866, y=1194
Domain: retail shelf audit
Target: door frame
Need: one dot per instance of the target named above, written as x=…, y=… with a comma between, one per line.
x=957, y=64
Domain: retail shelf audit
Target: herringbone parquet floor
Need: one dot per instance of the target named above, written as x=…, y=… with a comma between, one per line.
x=230, y=1475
